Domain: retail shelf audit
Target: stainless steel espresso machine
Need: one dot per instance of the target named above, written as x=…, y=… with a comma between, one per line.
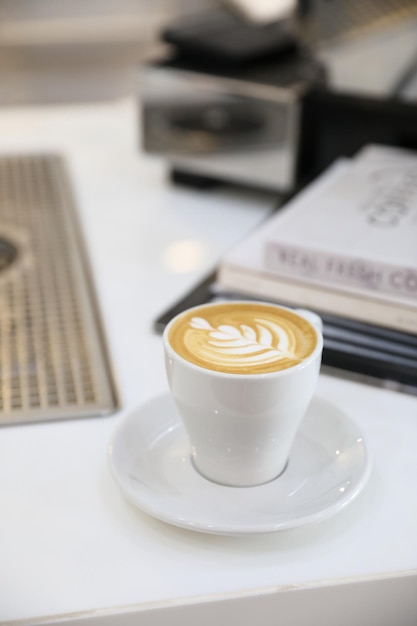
x=271, y=105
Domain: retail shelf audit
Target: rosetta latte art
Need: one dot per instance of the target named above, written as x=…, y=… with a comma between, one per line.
x=244, y=345
x=242, y=338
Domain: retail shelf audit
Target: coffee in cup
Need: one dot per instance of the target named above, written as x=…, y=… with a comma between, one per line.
x=249, y=338
x=242, y=375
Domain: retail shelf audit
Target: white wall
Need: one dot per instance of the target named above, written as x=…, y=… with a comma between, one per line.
x=79, y=50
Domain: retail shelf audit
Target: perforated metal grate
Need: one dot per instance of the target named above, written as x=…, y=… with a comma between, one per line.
x=53, y=358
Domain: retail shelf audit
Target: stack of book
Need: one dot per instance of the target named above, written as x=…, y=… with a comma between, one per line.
x=345, y=247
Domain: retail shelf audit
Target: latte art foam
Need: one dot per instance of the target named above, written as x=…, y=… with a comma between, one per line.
x=242, y=338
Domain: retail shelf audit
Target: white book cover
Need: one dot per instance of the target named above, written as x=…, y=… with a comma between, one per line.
x=376, y=154
x=263, y=286
x=354, y=228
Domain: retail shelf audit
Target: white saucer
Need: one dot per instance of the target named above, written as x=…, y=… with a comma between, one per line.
x=150, y=461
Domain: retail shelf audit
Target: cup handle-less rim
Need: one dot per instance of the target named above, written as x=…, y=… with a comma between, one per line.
x=308, y=315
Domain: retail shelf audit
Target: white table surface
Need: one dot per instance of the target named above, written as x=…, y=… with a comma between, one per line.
x=72, y=550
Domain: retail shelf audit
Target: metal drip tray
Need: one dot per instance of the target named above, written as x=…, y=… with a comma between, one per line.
x=53, y=358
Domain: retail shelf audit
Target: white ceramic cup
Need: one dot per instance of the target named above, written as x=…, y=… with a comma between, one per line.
x=241, y=427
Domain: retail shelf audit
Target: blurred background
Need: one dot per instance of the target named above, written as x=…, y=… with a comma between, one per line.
x=78, y=50
x=69, y=50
